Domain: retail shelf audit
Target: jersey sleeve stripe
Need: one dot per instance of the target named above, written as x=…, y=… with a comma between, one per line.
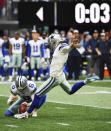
x=63, y=45
x=13, y=93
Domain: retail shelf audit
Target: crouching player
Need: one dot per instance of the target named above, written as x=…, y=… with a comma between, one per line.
x=25, y=90
x=57, y=76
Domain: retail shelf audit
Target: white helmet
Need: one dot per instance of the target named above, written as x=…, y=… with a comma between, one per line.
x=54, y=39
x=21, y=82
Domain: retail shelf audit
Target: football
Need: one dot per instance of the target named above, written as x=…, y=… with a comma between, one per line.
x=22, y=109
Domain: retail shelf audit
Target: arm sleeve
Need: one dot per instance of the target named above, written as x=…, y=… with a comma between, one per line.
x=42, y=50
x=65, y=49
x=3, y=51
x=13, y=90
x=29, y=50
x=11, y=97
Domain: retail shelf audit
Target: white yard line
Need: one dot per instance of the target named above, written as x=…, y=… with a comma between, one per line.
x=95, y=81
x=109, y=122
x=11, y=125
x=63, y=124
x=93, y=93
x=6, y=82
x=99, y=107
x=98, y=87
x=60, y=108
x=4, y=95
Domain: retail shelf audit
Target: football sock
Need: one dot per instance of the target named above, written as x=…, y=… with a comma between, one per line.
x=19, y=71
x=10, y=71
x=2, y=71
x=34, y=104
x=77, y=86
x=38, y=72
x=32, y=72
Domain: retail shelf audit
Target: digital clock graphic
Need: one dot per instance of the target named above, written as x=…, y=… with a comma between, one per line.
x=94, y=13
x=81, y=14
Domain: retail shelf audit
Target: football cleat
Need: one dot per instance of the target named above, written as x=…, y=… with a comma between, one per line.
x=10, y=79
x=34, y=113
x=21, y=116
x=91, y=79
x=39, y=79
x=32, y=79
x=3, y=79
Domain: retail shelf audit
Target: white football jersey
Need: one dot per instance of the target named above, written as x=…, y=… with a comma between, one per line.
x=1, y=43
x=46, y=50
x=16, y=45
x=59, y=59
x=26, y=93
x=35, y=47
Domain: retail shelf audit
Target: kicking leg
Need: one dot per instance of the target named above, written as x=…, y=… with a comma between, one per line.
x=43, y=89
x=71, y=90
x=40, y=103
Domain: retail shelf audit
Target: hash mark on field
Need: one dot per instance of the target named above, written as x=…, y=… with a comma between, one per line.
x=11, y=125
x=99, y=107
x=109, y=122
x=63, y=124
x=60, y=108
x=91, y=93
x=99, y=87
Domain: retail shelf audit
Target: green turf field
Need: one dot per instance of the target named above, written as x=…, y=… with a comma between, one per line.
x=87, y=110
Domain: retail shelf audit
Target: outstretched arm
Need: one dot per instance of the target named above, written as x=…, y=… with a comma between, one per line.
x=68, y=48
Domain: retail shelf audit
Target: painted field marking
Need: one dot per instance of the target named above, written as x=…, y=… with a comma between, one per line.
x=99, y=107
x=109, y=122
x=104, y=87
x=108, y=108
x=60, y=108
x=4, y=95
x=11, y=125
x=91, y=93
x=63, y=124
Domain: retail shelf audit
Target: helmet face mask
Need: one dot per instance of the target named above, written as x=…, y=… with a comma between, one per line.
x=21, y=83
x=54, y=39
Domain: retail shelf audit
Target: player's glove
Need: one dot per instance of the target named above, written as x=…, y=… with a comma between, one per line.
x=28, y=59
x=42, y=60
x=11, y=100
x=21, y=116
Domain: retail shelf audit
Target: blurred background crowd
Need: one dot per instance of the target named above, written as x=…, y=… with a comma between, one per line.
x=93, y=55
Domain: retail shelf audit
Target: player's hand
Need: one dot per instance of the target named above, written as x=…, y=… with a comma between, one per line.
x=28, y=59
x=20, y=116
x=42, y=60
x=89, y=50
x=25, y=103
x=99, y=54
x=75, y=42
x=10, y=101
